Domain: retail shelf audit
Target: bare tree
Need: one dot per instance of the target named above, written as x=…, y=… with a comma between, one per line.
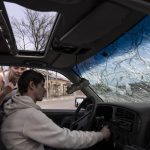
x=33, y=30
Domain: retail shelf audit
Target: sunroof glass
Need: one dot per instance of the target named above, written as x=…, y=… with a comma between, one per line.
x=31, y=28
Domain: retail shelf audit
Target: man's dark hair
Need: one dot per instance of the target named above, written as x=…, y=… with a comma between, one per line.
x=26, y=77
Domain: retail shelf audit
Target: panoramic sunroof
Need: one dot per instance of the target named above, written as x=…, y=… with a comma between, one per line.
x=31, y=28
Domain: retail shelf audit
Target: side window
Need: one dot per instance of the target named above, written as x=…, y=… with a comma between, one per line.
x=56, y=95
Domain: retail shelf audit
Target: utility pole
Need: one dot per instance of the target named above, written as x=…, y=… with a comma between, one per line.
x=47, y=89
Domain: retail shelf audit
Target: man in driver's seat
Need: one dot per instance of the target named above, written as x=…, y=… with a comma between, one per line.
x=26, y=127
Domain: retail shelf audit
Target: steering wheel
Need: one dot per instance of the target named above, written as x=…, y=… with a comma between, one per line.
x=84, y=122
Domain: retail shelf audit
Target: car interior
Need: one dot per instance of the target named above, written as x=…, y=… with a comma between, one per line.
x=80, y=30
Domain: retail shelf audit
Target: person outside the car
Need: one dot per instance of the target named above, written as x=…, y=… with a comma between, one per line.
x=9, y=79
x=26, y=127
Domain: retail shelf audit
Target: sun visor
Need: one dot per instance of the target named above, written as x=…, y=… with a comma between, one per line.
x=96, y=25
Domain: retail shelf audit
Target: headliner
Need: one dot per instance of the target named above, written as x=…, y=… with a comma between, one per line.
x=83, y=27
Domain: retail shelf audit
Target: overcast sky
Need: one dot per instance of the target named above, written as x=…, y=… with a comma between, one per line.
x=17, y=12
x=14, y=10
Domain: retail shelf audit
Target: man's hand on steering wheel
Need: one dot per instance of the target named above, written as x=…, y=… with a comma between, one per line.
x=106, y=132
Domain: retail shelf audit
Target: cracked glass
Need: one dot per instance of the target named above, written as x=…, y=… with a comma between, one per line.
x=120, y=72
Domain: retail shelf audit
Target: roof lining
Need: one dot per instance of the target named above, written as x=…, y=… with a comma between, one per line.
x=68, y=24
x=138, y=5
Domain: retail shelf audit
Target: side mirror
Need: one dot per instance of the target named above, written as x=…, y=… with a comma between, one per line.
x=78, y=101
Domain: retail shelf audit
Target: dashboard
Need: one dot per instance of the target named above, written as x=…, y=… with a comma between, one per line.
x=129, y=123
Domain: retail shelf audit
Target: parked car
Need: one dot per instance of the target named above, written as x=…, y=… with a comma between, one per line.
x=104, y=42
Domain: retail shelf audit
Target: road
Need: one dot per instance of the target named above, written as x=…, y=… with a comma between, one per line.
x=66, y=102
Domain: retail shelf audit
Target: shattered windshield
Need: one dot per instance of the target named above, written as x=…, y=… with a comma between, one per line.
x=121, y=71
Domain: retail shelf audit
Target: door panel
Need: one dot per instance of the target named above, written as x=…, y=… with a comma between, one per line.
x=58, y=115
